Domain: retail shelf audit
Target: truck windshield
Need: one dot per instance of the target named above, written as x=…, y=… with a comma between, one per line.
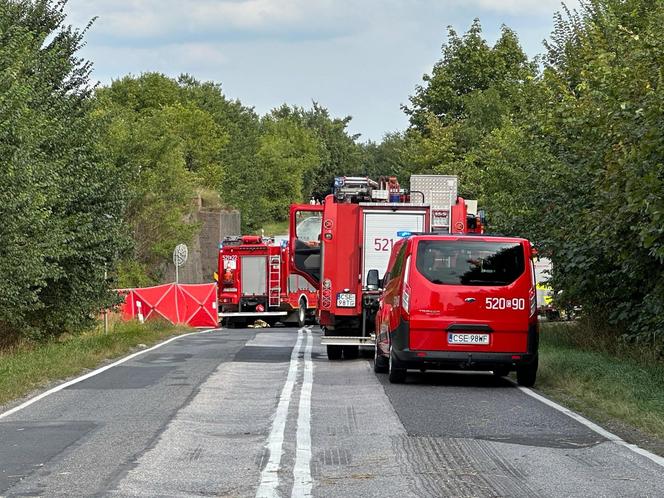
x=473, y=263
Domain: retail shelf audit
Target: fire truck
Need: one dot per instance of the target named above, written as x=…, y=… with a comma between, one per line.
x=254, y=282
x=343, y=249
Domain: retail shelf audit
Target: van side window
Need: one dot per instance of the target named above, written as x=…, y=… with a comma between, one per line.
x=398, y=262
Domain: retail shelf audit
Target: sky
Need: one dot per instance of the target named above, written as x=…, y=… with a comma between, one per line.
x=359, y=58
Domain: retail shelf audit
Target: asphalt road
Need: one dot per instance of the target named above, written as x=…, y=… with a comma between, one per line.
x=264, y=413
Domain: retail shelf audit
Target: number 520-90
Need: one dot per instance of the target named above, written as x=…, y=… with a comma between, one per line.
x=500, y=303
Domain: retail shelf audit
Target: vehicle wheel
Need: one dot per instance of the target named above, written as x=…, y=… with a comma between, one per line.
x=334, y=352
x=397, y=374
x=351, y=352
x=501, y=371
x=302, y=314
x=381, y=364
x=526, y=374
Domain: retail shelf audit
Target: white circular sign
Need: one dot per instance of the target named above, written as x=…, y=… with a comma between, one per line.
x=180, y=254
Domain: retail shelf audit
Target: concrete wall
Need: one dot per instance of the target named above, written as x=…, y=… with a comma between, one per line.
x=215, y=224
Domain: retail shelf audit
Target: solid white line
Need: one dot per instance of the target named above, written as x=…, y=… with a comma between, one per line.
x=93, y=373
x=270, y=474
x=594, y=427
x=302, y=482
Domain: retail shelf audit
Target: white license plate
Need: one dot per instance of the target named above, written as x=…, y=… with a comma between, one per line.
x=455, y=338
x=345, y=300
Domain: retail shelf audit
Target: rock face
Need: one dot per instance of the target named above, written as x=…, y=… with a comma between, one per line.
x=215, y=224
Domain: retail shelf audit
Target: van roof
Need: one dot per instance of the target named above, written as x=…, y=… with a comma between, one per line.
x=474, y=237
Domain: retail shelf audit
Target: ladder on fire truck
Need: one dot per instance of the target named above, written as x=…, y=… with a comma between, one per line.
x=274, y=281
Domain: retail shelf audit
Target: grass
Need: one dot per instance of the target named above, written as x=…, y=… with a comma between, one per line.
x=602, y=377
x=27, y=366
x=275, y=228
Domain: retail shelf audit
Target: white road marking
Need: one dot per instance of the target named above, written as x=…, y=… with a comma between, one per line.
x=302, y=482
x=270, y=474
x=594, y=427
x=94, y=372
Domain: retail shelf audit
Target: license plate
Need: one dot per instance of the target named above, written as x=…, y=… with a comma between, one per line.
x=456, y=338
x=345, y=300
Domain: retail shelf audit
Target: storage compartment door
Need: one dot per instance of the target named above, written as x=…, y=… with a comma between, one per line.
x=380, y=235
x=254, y=275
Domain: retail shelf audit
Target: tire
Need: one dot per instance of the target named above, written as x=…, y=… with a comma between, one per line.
x=334, y=352
x=526, y=374
x=302, y=314
x=351, y=352
x=396, y=373
x=381, y=364
x=501, y=371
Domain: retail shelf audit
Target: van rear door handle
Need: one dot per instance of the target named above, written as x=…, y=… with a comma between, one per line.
x=470, y=299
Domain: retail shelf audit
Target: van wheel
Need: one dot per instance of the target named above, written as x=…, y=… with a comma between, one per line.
x=302, y=314
x=526, y=374
x=381, y=364
x=351, y=352
x=501, y=371
x=396, y=373
x=334, y=352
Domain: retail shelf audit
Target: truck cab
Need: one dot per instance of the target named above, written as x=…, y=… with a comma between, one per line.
x=458, y=302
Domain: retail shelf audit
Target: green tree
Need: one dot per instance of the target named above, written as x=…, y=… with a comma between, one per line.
x=472, y=81
x=60, y=201
x=339, y=155
x=239, y=155
x=603, y=77
x=168, y=148
x=287, y=152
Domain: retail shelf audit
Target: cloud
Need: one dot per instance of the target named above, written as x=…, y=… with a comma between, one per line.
x=358, y=57
x=526, y=8
x=157, y=20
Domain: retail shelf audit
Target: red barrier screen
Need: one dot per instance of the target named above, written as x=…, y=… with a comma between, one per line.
x=189, y=304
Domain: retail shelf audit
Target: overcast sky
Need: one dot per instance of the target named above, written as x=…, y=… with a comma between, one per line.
x=361, y=58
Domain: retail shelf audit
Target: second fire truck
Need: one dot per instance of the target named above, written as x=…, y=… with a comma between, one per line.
x=255, y=282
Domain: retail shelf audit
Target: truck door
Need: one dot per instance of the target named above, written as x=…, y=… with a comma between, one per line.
x=304, y=241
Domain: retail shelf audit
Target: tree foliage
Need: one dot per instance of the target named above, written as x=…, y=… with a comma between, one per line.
x=167, y=148
x=570, y=156
x=61, y=202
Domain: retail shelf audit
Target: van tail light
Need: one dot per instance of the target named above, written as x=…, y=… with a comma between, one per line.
x=533, y=302
x=405, y=298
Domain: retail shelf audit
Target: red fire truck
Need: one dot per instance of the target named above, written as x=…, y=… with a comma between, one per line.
x=254, y=282
x=344, y=248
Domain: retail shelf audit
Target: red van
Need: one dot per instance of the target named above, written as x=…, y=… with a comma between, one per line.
x=458, y=302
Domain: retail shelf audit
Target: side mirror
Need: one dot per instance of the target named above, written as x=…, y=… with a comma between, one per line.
x=373, y=280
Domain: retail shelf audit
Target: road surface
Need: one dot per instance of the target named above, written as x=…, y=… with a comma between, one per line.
x=264, y=413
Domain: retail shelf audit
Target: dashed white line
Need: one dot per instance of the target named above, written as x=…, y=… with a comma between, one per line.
x=64, y=385
x=270, y=474
x=302, y=482
x=594, y=427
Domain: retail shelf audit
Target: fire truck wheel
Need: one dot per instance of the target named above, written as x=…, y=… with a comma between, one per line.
x=351, y=352
x=302, y=314
x=380, y=362
x=526, y=374
x=334, y=352
x=396, y=373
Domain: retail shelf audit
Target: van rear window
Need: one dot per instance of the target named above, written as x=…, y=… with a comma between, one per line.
x=478, y=263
